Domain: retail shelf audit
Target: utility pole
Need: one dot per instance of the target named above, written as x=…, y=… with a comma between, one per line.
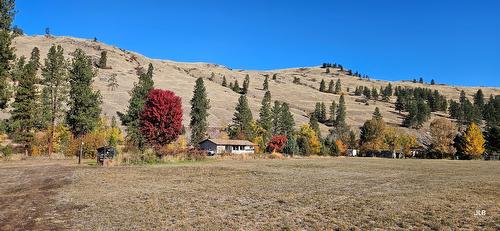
x=80, y=154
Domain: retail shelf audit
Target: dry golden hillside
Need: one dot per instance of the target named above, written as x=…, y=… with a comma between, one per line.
x=180, y=78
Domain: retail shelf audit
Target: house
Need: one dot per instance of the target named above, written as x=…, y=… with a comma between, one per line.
x=219, y=146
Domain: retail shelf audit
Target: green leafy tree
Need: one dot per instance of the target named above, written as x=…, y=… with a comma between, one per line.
x=138, y=96
x=25, y=104
x=241, y=126
x=55, y=89
x=200, y=104
x=84, y=103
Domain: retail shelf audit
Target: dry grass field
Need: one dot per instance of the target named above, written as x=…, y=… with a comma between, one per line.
x=292, y=194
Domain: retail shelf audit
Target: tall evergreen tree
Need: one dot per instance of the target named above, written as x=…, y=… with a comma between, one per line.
x=276, y=113
x=138, y=97
x=376, y=114
x=331, y=87
x=199, y=113
x=313, y=123
x=479, y=101
x=333, y=108
x=322, y=85
x=246, y=84
x=55, y=88
x=265, y=114
x=322, y=114
x=84, y=103
x=224, y=81
x=242, y=120
x=103, y=61
x=341, y=111
x=286, y=120
x=25, y=104
x=6, y=50
x=236, y=86
x=374, y=93
x=338, y=87
x=265, y=85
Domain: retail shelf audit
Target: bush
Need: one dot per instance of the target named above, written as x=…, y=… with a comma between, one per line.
x=7, y=151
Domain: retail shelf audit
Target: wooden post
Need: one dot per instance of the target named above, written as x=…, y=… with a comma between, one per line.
x=80, y=154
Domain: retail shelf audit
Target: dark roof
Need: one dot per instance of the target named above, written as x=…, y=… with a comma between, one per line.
x=229, y=142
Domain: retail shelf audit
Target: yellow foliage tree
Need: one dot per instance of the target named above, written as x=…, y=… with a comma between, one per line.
x=443, y=133
x=473, y=141
x=407, y=142
x=341, y=146
x=314, y=143
x=60, y=143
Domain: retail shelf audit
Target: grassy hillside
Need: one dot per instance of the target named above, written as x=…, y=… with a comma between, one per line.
x=180, y=78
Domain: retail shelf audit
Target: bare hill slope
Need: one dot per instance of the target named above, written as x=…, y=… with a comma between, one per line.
x=180, y=78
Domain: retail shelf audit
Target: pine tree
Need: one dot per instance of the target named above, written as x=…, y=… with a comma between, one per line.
x=25, y=104
x=103, y=61
x=376, y=114
x=338, y=87
x=491, y=112
x=341, y=111
x=367, y=93
x=387, y=92
x=333, y=108
x=313, y=123
x=246, y=84
x=241, y=126
x=236, y=86
x=55, y=88
x=322, y=114
x=286, y=120
x=421, y=80
x=6, y=49
x=493, y=139
x=399, y=105
x=265, y=85
x=374, y=93
x=433, y=82
x=224, y=81
x=112, y=82
x=265, y=114
x=473, y=142
x=138, y=97
x=331, y=87
x=84, y=103
x=317, y=111
x=276, y=114
x=200, y=105
x=322, y=85
x=479, y=101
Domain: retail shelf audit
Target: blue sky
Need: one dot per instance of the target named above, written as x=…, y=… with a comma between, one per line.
x=455, y=42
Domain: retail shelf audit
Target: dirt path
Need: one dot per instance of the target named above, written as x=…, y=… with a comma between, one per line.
x=28, y=195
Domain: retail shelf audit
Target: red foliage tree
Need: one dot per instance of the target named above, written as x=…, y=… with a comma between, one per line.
x=161, y=118
x=277, y=143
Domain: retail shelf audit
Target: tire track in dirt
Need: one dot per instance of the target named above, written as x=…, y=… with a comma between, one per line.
x=28, y=196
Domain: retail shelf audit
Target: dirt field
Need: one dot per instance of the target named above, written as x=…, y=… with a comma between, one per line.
x=311, y=194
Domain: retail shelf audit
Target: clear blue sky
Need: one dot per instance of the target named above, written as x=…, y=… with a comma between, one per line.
x=456, y=42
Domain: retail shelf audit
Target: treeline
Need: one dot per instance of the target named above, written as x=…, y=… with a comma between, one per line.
x=383, y=94
x=467, y=112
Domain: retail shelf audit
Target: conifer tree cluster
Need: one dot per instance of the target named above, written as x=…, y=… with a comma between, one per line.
x=335, y=88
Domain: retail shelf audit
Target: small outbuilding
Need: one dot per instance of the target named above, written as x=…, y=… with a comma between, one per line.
x=220, y=146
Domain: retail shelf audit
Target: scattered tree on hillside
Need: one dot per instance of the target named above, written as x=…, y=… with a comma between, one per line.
x=246, y=84
x=433, y=82
x=338, y=87
x=236, y=86
x=331, y=87
x=332, y=111
x=341, y=111
x=265, y=85
x=161, y=118
x=224, y=81
x=112, y=82
x=374, y=93
x=322, y=85
x=376, y=114
x=200, y=105
x=103, y=61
